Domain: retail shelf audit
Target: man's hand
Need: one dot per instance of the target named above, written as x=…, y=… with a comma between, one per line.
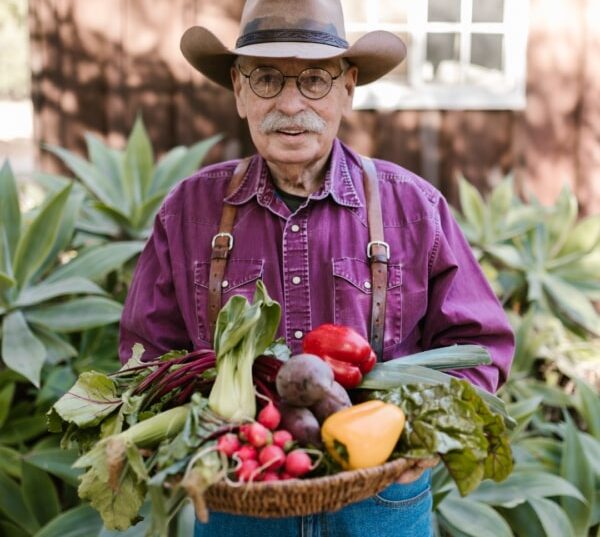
x=415, y=472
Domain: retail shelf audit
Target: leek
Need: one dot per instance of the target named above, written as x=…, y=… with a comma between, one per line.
x=422, y=368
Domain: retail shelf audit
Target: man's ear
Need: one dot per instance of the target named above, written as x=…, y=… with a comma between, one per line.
x=350, y=79
x=236, y=80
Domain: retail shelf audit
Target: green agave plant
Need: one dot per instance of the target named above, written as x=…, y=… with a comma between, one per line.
x=554, y=490
x=545, y=265
x=40, y=299
x=538, y=257
x=125, y=188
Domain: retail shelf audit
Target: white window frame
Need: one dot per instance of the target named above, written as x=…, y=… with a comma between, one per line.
x=390, y=93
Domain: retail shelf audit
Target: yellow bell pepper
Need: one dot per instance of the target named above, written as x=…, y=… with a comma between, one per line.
x=363, y=435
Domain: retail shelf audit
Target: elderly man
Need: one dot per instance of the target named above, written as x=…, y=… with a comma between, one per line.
x=336, y=238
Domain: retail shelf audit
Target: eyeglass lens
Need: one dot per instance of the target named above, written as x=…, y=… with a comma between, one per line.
x=268, y=82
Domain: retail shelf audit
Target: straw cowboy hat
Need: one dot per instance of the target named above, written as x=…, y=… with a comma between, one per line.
x=306, y=29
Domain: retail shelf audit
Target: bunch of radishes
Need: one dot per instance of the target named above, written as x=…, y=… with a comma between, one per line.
x=261, y=452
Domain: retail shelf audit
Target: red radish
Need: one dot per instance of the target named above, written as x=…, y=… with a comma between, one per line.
x=269, y=416
x=258, y=435
x=297, y=463
x=270, y=476
x=244, y=428
x=284, y=475
x=273, y=456
x=246, y=452
x=228, y=444
x=283, y=439
x=246, y=469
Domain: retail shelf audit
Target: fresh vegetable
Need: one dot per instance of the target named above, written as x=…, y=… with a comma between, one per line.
x=344, y=349
x=118, y=467
x=258, y=435
x=427, y=368
x=303, y=380
x=283, y=439
x=247, y=470
x=452, y=421
x=272, y=457
x=335, y=400
x=363, y=435
x=303, y=425
x=228, y=444
x=298, y=463
x=243, y=332
x=270, y=476
x=245, y=453
x=269, y=416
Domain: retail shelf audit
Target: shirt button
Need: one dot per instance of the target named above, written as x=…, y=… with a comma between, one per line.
x=296, y=280
x=298, y=334
x=295, y=228
x=367, y=285
x=224, y=284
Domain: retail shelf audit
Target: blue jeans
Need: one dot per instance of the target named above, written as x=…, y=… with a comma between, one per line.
x=398, y=511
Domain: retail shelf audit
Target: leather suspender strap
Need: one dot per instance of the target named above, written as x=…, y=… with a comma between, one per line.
x=222, y=243
x=378, y=253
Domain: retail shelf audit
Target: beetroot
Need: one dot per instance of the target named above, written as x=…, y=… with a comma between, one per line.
x=303, y=380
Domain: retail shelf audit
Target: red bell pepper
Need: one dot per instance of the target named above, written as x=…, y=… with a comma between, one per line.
x=345, y=350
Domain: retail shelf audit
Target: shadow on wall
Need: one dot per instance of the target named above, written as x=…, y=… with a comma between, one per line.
x=83, y=80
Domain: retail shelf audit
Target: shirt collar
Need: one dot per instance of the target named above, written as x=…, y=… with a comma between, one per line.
x=338, y=182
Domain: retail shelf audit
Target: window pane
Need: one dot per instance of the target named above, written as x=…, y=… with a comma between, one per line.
x=486, y=50
x=442, y=62
x=393, y=11
x=443, y=10
x=488, y=10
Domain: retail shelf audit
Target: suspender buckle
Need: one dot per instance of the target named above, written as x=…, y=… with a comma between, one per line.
x=378, y=243
x=229, y=237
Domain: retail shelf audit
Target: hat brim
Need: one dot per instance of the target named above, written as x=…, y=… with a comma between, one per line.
x=375, y=54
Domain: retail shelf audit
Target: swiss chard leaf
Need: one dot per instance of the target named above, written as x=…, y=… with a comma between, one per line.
x=452, y=421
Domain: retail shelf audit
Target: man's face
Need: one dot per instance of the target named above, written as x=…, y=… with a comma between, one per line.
x=291, y=128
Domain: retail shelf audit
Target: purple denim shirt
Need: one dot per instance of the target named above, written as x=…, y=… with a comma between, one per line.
x=314, y=264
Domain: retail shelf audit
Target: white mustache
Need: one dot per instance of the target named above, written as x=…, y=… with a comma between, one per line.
x=307, y=120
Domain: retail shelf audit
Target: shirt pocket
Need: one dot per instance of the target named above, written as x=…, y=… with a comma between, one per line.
x=240, y=278
x=353, y=297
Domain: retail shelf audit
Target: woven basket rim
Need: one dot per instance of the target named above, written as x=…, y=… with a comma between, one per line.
x=299, y=497
x=344, y=475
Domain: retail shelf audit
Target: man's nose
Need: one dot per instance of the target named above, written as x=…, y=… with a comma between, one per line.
x=290, y=100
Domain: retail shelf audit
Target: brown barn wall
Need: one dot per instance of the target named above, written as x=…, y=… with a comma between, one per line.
x=97, y=63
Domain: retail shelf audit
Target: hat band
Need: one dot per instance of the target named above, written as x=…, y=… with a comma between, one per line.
x=300, y=36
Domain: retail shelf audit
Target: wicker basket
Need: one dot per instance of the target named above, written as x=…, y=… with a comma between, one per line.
x=300, y=497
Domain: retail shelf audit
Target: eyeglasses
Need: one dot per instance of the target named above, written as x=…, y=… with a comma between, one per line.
x=268, y=82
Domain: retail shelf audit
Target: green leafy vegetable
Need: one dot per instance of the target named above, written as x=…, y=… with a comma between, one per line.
x=89, y=401
x=243, y=332
x=425, y=368
x=452, y=421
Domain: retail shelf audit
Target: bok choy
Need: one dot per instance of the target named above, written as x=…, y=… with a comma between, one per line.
x=242, y=333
